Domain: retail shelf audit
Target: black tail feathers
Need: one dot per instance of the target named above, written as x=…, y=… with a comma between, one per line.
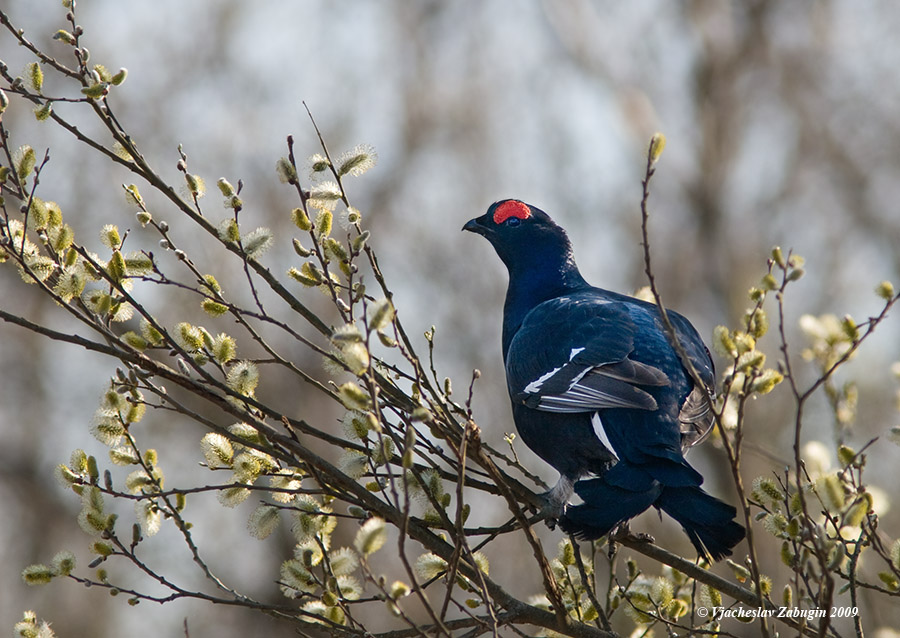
x=708, y=522
x=604, y=507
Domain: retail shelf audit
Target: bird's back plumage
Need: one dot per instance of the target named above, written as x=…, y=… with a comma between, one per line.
x=597, y=389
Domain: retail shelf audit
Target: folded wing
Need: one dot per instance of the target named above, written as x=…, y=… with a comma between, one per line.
x=576, y=354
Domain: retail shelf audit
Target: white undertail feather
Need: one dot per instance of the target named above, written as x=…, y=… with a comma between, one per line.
x=601, y=434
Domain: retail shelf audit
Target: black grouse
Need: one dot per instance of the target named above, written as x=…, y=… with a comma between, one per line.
x=598, y=391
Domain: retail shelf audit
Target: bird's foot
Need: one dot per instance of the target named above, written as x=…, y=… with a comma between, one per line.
x=555, y=501
x=623, y=532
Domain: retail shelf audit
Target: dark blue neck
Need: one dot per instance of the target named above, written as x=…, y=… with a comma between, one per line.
x=533, y=283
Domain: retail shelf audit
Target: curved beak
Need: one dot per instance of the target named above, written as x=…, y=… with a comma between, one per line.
x=475, y=226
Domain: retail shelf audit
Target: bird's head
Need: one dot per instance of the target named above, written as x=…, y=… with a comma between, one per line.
x=522, y=235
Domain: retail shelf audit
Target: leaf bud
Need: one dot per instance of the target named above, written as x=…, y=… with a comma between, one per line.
x=26, y=161
x=633, y=570
x=756, y=294
x=793, y=527
x=96, y=91
x=324, y=196
x=657, y=145
x=110, y=236
x=758, y=323
x=766, y=382
x=714, y=595
x=778, y=256
x=895, y=554
x=116, y=268
x=353, y=216
x=329, y=599
x=64, y=36
x=92, y=468
x=846, y=455
x=286, y=172
x=133, y=195
x=195, y=184
x=743, y=342
x=888, y=578
x=356, y=356
x=35, y=76
x=371, y=536
x=324, y=222
x=300, y=250
x=229, y=231
x=381, y=313
x=723, y=343
x=213, y=308
x=849, y=327
x=41, y=113
x=766, y=489
x=301, y=219
x=298, y=276
x=63, y=563
x=318, y=163
x=399, y=590
x=311, y=271
x=741, y=573
x=751, y=360
x=119, y=77
x=788, y=557
x=857, y=512
x=336, y=249
x=37, y=575
x=831, y=491
x=885, y=289
x=100, y=73
x=356, y=161
x=360, y=241
x=225, y=187
x=353, y=397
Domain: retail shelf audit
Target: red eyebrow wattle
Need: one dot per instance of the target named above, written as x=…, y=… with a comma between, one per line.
x=511, y=208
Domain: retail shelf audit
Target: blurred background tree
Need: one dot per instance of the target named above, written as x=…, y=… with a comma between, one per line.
x=781, y=121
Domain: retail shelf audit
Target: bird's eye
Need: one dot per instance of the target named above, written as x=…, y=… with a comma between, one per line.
x=513, y=222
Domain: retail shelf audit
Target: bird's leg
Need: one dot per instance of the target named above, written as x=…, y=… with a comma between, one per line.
x=556, y=499
x=623, y=531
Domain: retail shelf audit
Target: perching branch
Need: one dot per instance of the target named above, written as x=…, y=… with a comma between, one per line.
x=410, y=455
